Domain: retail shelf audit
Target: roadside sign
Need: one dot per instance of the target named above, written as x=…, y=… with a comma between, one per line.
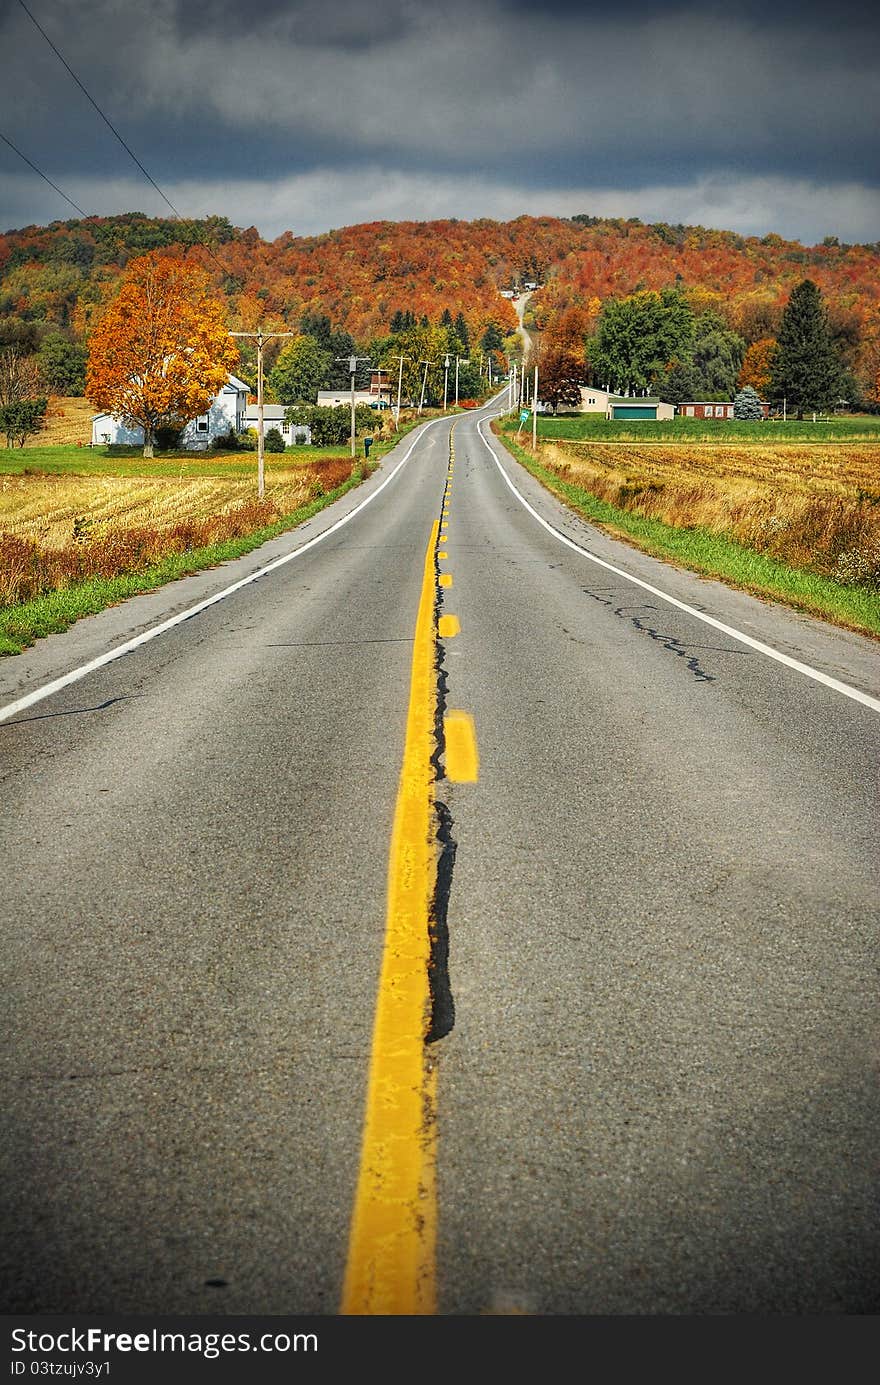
x=523, y=415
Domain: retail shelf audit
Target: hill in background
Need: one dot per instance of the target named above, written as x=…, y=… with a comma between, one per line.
x=56, y=278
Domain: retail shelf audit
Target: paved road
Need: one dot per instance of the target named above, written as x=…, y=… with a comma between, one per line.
x=659, y=1093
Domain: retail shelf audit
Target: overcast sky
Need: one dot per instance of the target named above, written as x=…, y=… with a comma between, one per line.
x=305, y=115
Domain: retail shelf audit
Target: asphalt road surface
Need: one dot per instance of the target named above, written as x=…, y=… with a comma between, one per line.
x=657, y=1081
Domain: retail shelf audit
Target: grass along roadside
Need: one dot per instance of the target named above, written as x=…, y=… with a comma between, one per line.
x=713, y=554
x=54, y=610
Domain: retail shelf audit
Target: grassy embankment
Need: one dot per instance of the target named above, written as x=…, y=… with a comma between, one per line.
x=797, y=521
x=83, y=528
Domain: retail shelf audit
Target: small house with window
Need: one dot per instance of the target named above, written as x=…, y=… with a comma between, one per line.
x=226, y=413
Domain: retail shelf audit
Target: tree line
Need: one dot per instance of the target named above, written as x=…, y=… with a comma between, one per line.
x=655, y=343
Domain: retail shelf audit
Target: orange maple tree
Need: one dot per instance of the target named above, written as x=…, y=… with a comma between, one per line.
x=757, y=366
x=160, y=352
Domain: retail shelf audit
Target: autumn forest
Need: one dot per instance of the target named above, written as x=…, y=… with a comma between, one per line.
x=56, y=281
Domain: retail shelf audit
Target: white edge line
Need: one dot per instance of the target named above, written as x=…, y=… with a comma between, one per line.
x=21, y=704
x=805, y=669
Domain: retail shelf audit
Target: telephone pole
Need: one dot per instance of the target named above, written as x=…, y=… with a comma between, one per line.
x=445, y=381
x=424, y=381
x=261, y=338
x=352, y=369
x=400, y=360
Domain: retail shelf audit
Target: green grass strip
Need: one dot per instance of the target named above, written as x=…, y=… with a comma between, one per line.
x=702, y=551
x=55, y=611
x=596, y=428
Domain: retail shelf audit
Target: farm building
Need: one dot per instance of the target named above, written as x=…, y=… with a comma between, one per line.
x=226, y=413
x=631, y=409
x=599, y=401
x=693, y=408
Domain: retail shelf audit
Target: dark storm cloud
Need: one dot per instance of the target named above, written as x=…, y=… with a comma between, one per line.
x=517, y=97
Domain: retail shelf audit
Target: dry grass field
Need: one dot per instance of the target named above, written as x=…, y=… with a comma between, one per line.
x=53, y=510
x=810, y=506
x=58, y=530
x=68, y=421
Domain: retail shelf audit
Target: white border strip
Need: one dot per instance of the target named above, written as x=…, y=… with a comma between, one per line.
x=22, y=703
x=808, y=672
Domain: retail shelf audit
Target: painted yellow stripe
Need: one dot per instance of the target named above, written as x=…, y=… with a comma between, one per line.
x=441, y=554
x=392, y=1244
x=448, y=626
x=462, y=761
x=445, y=579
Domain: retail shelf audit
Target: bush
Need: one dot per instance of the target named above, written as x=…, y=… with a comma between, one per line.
x=236, y=442
x=273, y=441
x=227, y=442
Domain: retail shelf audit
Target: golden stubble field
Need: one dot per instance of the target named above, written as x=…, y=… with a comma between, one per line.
x=57, y=531
x=810, y=506
x=53, y=510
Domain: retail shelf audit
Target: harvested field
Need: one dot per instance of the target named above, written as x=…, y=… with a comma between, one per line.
x=52, y=510
x=812, y=507
x=56, y=531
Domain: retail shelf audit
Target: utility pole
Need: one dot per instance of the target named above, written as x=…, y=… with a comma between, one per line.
x=400, y=360
x=261, y=338
x=535, y=414
x=445, y=381
x=352, y=370
x=424, y=381
x=459, y=360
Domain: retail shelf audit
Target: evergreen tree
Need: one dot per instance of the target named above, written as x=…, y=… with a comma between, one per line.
x=806, y=368
x=463, y=335
x=747, y=404
x=492, y=339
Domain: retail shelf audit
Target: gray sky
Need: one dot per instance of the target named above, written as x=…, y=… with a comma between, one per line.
x=304, y=115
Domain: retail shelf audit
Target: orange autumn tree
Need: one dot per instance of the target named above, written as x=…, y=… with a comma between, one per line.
x=160, y=352
x=757, y=366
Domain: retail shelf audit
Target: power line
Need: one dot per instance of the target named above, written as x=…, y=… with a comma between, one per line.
x=105, y=119
x=113, y=129
x=46, y=179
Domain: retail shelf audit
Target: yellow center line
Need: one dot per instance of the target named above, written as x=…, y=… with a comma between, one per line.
x=448, y=626
x=392, y=1243
x=445, y=579
x=462, y=762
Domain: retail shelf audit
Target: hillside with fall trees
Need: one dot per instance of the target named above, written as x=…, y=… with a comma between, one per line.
x=55, y=281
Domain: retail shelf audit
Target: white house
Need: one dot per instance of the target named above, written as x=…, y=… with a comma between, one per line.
x=593, y=401
x=273, y=417
x=225, y=413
